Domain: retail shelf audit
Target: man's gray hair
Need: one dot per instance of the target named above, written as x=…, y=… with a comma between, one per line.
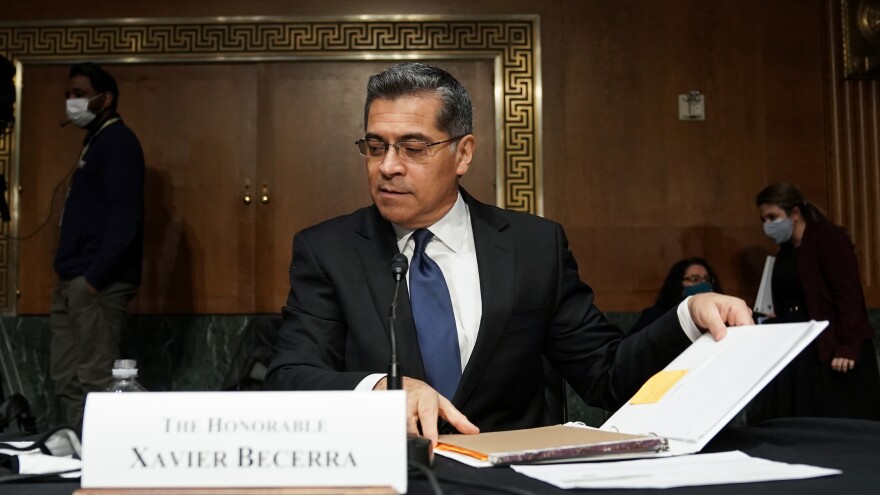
x=456, y=114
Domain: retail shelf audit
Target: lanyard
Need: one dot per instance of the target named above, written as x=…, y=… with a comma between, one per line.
x=80, y=163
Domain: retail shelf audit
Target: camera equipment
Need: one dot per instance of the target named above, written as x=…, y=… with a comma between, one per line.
x=7, y=120
x=7, y=95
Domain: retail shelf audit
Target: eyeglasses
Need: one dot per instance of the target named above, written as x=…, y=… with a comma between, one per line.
x=697, y=279
x=412, y=149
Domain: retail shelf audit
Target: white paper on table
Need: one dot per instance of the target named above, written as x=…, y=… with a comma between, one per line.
x=38, y=463
x=19, y=445
x=464, y=459
x=35, y=462
x=688, y=470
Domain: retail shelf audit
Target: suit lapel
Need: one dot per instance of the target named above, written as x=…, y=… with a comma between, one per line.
x=375, y=247
x=496, y=258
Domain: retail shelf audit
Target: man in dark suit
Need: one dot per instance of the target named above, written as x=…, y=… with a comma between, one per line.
x=512, y=283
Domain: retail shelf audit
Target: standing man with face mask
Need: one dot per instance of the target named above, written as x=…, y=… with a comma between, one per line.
x=100, y=251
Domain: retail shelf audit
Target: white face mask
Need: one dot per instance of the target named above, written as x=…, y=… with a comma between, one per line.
x=779, y=230
x=78, y=111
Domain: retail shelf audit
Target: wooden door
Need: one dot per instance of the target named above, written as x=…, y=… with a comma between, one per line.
x=47, y=157
x=197, y=125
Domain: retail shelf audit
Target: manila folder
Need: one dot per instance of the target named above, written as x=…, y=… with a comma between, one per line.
x=547, y=443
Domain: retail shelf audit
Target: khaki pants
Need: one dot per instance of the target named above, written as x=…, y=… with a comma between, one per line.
x=86, y=332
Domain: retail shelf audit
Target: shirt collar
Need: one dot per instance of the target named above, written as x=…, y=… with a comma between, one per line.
x=450, y=230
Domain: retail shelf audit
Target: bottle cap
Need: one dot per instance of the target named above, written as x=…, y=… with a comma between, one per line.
x=125, y=368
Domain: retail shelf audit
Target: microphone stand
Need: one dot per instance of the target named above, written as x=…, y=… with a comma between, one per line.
x=399, y=265
x=395, y=381
x=419, y=451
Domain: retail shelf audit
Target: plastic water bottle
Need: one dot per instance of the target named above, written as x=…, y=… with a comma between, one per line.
x=124, y=377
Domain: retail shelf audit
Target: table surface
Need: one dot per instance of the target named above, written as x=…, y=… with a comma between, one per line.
x=852, y=446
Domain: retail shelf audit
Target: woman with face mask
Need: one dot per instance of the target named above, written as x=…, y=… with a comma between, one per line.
x=686, y=277
x=816, y=277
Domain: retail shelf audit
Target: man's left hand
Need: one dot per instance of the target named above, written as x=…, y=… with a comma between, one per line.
x=713, y=312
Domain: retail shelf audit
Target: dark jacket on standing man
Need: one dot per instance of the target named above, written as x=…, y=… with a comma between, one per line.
x=102, y=226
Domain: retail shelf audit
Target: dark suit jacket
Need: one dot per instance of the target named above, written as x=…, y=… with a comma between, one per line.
x=832, y=289
x=534, y=304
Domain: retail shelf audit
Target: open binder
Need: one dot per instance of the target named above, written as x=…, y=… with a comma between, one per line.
x=720, y=379
x=681, y=408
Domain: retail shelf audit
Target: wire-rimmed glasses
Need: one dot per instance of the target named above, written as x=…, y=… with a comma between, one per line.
x=411, y=149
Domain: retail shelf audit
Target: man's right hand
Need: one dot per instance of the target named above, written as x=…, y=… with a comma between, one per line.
x=711, y=312
x=424, y=405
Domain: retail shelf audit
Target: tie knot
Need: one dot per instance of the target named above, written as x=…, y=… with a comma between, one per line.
x=422, y=237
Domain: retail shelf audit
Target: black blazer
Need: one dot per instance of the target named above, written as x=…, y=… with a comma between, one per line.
x=534, y=304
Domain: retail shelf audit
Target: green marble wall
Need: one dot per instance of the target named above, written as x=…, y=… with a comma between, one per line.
x=186, y=353
x=174, y=352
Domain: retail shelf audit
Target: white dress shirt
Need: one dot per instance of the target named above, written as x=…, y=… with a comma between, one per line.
x=452, y=248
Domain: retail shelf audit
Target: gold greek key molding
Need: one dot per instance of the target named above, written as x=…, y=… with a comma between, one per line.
x=512, y=41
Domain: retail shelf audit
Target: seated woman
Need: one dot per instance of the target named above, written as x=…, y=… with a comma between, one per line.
x=686, y=277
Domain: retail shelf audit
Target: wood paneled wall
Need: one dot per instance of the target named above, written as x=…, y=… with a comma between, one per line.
x=640, y=188
x=635, y=187
x=853, y=120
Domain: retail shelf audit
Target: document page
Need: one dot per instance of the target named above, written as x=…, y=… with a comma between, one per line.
x=764, y=301
x=691, y=470
x=710, y=382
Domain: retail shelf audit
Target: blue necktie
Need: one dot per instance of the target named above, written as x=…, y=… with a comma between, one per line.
x=435, y=321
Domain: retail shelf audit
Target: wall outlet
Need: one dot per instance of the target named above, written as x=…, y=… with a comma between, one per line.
x=692, y=106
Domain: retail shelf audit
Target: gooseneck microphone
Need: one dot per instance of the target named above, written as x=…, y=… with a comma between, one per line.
x=399, y=265
x=419, y=451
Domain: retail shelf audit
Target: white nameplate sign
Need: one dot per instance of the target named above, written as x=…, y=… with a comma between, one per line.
x=244, y=439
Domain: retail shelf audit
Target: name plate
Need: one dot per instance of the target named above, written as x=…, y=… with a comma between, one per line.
x=245, y=439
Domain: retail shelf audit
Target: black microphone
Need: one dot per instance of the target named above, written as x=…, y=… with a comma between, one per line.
x=418, y=449
x=64, y=123
x=399, y=265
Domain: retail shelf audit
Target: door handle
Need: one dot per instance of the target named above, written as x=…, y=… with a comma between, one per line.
x=247, y=192
x=264, y=197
